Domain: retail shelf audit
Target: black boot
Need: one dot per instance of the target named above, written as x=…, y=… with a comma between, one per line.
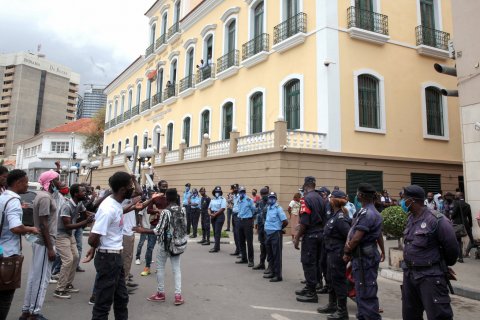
x=268, y=270
x=310, y=296
x=342, y=312
x=331, y=306
x=302, y=292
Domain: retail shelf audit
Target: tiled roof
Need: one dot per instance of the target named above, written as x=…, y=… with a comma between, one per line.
x=83, y=125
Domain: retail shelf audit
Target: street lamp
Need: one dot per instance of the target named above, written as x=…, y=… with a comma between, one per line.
x=143, y=157
x=93, y=166
x=74, y=170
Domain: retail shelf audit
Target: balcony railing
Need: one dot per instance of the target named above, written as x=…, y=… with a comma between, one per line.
x=156, y=99
x=149, y=50
x=227, y=61
x=206, y=72
x=127, y=115
x=367, y=20
x=290, y=27
x=113, y=123
x=145, y=105
x=160, y=40
x=175, y=28
x=107, y=126
x=135, y=110
x=432, y=38
x=119, y=119
x=186, y=83
x=170, y=91
x=256, y=45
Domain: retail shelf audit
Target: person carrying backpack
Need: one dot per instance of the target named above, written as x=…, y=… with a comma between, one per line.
x=171, y=232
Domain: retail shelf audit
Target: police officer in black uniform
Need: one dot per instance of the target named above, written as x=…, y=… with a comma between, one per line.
x=335, y=236
x=205, y=218
x=261, y=215
x=312, y=218
x=430, y=246
x=361, y=248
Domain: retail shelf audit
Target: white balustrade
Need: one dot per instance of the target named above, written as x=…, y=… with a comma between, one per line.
x=172, y=156
x=218, y=148
x=192, y=153
x=158, y=158
x=258, y=141
x=307, y=140
x=119, y=159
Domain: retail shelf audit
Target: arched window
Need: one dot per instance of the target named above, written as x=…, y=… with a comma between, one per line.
x=145, y=140
x=160, y=81
x=205, y=125
x=177, y=11
x=115, y=112
x=119, y=150
x=231, y=36
x=291, y=8
x=130, y=98
x=208, y=49
x=109, y=112
x=292, y=106
x=152, y=33
x=434, y=111
x=256, y=112
x=173, y=72
x=227, y=120
x=135, y=142
x=113, y=146
x=368, y=102
x=164, y=24
x=190, y=62
x=149, y=89
x=127, y=142
x=170, y=136
x=258, y=19
x=106, y=151
x=156, y=138
x=122, y=105
x=186, y=131
x=139, y=94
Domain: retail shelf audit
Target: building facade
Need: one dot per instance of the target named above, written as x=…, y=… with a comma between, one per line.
x=36, y=94
x=350, y=82
x=92, y=101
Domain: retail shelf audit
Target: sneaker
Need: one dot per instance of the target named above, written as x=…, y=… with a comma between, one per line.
x=72, y=289
x=91, y=301
x=178, y=299
x=157, y=297
x=61, y=294
x=80, y=269
x=137, y=262
x=55, y=276
x=52, y=280
x=145, y=272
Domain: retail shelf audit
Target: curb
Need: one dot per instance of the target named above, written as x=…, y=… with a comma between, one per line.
x=459, y=289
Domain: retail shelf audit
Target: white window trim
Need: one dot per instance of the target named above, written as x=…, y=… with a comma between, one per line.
x=200, y=136
x=377, y=7
x=446, y=133
x=122, y=147
x=133, y=140
x=438, y=14
x=164, y=11
x=251, y=17
x=173, y=134
x=188, y=115
x=154, y=35
x=160, y=68
x=175, y=18
x=171, y=70
x=131, y=102
x=381, y=94
x=264, y=101
x=225, y=33
x=115, y=109
x=281, y=94
x=204, y=46
x=300, y=9
x=154, y=136
x=234, y=117
x=185, y=72
x=138, y=97
x=149, y=82
x=109, y=112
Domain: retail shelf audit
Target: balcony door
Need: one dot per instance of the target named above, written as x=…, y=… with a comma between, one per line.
x=292, y=9
x=258, y=27
x=364, y=14
x=427, y=13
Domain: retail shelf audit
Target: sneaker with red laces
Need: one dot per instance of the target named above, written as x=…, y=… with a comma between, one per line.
x=179, y=299
x=158, y=297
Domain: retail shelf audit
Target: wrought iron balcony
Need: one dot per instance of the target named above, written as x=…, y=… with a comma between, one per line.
x=135, y=110
x=227, y=61
x=160, y=40
x=256, y=45
x=175, y=28
x=170, y=91
x=107, y=126
x=149, y=50
x=145, y=105
x=119, y=119
x=127, y=115
x=186, y=83
x=112, y=123
x=156, y=99
x=367, y=20
x=206, y=72
x=432, y=38
x=290, y=27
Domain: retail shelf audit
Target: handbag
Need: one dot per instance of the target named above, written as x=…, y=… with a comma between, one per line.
x=460, y=230
x=10, y=267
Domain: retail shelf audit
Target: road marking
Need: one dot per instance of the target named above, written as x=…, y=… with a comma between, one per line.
x=276, y=316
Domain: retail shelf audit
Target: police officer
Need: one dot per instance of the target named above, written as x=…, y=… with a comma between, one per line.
x=186, y=205
x=246, y=211
x=261, y=208
x=429, y=247
x=335, y=236
x=194, y=203
x=361, y=248
x=216, y=210
x=235, y=197
x=275, y=222
x=204, y=204
x=324, y=192
x=312, y=217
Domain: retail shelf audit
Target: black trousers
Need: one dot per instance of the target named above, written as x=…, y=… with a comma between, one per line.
x=110, y=287
x=229, y=218
x=336, y=273
x=6, y=298
x=310, y=257
x=261, y=239
x=274, y=246
x=217, y=225
x=245, y=237
x=188, y=213
x=322, y=270
x=195, y=216
x=235, y=226
x=205, y=225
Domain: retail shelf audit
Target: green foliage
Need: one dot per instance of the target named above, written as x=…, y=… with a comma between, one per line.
x=94, y=139
x=224, y=233
x=394, y=221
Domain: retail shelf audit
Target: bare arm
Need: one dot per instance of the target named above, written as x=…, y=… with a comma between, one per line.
x=24, y=229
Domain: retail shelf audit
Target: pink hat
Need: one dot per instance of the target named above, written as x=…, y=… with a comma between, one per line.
x=47, y=177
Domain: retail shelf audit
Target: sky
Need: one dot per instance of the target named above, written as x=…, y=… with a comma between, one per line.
x=96, y=38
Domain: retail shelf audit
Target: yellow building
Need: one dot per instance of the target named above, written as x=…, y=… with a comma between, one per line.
x=344, y=90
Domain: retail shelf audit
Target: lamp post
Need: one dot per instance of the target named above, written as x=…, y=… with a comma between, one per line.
x=142, y=156
x=73, y=170
x=92, y=166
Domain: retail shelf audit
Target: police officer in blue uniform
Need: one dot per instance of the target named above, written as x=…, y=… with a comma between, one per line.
x=194, y=202
x=430, y=246
x=312, y=218
x=335, y=235
x=235, y=220
x=361, y=248
x=246, y=210
x=186, y=205
x=261, y=215
x=205, y=218
x=216, y=210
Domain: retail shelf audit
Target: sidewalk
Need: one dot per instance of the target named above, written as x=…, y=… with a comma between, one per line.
x=468, y=284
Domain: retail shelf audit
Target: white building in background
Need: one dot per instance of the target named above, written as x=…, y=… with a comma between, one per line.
x=63, y=143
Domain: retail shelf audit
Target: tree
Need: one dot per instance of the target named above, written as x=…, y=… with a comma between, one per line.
x=94, y=139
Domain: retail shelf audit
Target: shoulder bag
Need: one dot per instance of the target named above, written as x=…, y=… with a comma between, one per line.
x=460, y=230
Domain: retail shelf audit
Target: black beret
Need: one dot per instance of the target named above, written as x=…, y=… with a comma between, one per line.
x=310, y=179
x=338, y=194
x=188, y=185
x=263, y=191
x=171, y=192
x=366, y=188
x=414, y=191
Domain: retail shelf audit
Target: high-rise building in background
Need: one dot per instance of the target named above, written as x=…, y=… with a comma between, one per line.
x=90, y=103
x=35, y=94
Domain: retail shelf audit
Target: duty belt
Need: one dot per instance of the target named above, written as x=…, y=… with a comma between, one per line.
x=329, y=241
x=365, y=250
x=413, y=265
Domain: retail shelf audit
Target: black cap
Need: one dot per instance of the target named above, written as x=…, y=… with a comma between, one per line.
x=272, y=195
x=309, y=179
x=366, y=188
x=217, y=189
x=338, y=194
x=188, y=185
x=242, y=189
x=171, y=192
x=263, y=191
x=414, y=191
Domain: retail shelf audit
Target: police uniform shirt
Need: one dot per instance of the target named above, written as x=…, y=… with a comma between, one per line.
x=205, y=203
x=246, y=207
x=337, y=228
x=195, y=201
x=368, y=220
x=186, y=196
x=261, y=210
x=275, y=217
x=217, y=203
x=311, y=212
x=236, y=197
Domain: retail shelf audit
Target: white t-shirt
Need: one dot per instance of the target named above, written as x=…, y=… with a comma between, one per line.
x=129, y=220
x=109, y=224
x=145, y=219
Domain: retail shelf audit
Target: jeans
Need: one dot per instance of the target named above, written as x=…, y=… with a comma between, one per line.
x=245, y=235
x=110, y=287
x=6, y=298
x=79, y=238
x=177, y=273
x=152, y=239
x=143, y=237
x=217, y=224
x=67, y=249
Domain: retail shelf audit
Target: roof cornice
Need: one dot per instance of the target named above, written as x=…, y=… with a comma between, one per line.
x=127, y=73
x=198, y=13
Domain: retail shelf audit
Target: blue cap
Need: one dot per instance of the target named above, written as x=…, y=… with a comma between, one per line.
x=338, y=194
x=414, y=191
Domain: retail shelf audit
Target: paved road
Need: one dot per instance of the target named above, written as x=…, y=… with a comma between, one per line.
x=216, y=288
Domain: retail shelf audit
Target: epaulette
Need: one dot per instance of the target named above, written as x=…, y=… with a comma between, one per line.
x=362, y=211
x=437, y=214
x=340, y=216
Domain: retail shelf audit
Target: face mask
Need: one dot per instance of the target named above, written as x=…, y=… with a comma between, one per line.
x=64, y=191
x=163, y=190
x=405, y=208
x=265, y=198
x=254, y=194
x=195, y=194
x=272, y=201
x=129, y=193
x=217, y=194
x=187, y=189
x=242, y=195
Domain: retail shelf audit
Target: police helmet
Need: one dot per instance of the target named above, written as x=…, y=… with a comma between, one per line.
x=217, y=189
x=242, y=189
x=272, y=195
